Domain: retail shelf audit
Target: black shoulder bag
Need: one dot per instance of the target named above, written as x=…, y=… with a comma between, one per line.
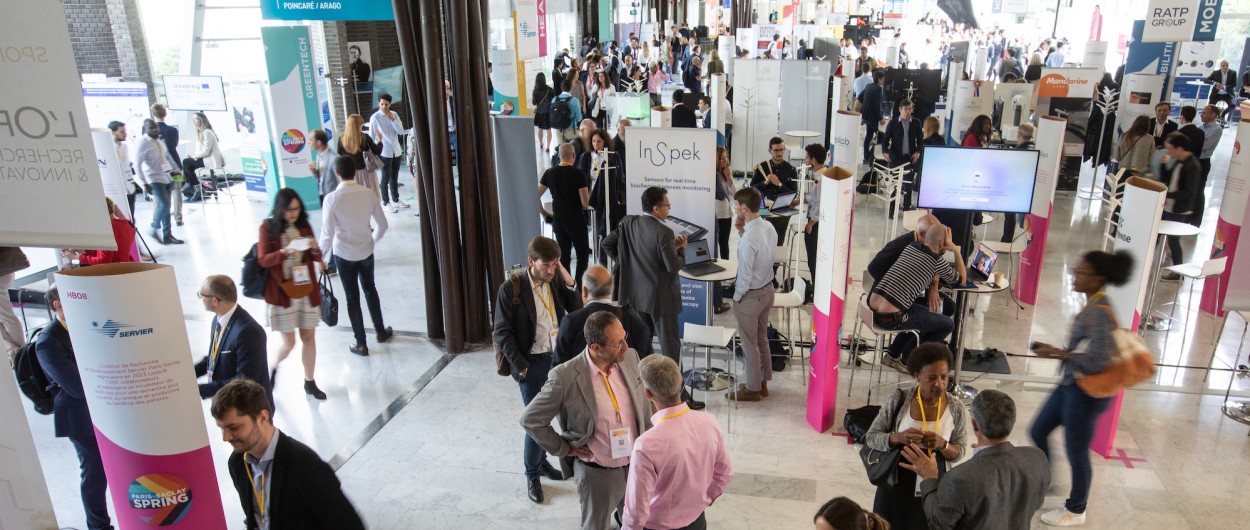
x=882, y=466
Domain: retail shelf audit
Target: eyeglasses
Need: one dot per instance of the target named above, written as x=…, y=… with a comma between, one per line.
x=203, y=296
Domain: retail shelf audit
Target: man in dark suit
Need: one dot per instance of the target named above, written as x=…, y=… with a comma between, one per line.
x=1224, y=83
x=71, y=417
x=1188, y=114
x=901, y=144
x=603, y=378
x=1160, y=125
x=683, y=116
x=528, y=311
x=238, y=344
x=282, y=483
x=999, y=487
x=871, y=112
x=597, y=296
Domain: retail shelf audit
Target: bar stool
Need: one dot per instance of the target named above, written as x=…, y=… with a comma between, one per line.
x=792, y=304
x=864, y=314
x=710, y=379
x=1195, y=272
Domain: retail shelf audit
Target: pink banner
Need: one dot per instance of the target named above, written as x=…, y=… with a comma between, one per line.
x=1233, y=207
x=1037, y=228
x=542, y=28
x=159, y=490
x=822, y=376
x=1225, y=245
x=833, y=252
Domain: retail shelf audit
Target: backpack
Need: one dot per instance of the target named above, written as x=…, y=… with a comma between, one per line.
x=31, y=379
x=559, y=115
x=778, y=348
x=253, y=276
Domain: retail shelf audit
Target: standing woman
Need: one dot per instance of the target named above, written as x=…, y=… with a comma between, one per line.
x=1034, y=71
x=207, y=153
x=542, y=103
x=925, y=414
x=599, y=101
x=725, y=190
x=578, y=89
x=288, y=248
x=979, y=132
x=1069, y=405
x=606, y=177
x=1136, y=146
x=354, y=142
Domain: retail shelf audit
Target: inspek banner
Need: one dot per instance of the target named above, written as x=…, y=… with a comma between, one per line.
x=683, y=161
x=1181, y=20
x=130, y=343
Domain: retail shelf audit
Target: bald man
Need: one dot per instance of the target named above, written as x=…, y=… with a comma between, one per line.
x=889, y=254
x=597, y=289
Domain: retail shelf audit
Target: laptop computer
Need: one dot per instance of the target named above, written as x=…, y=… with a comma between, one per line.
x=781, y=206
x=699, y=259
x=982, y=264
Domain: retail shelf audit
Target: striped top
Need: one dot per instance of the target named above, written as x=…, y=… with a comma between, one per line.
x=908, y=278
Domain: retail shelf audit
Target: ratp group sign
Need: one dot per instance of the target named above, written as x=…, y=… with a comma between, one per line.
x=1182, y=20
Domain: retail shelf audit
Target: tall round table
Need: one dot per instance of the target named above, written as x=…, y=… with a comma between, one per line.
x=708, y=378
x=962, y=391
x=1166, y=228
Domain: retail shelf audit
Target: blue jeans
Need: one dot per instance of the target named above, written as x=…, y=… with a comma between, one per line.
x=160, y=215
x=356, y=275
x=93, y=485
x=1077, y=412
x=932, y=327
x=535, y=378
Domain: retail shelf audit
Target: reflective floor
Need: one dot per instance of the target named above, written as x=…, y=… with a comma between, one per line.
x=451, y=457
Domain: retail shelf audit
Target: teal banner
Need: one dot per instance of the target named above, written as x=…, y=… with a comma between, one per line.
x=340, y=10
x=292, y=106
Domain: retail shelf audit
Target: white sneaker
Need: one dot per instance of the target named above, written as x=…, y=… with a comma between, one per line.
x=1062, y=517
x=402, y=204
x=394, y=208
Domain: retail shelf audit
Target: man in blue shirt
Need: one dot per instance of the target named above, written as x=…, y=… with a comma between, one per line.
x=753, y=293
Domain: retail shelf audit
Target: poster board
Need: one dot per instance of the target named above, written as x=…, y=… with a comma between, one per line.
x=756, y=110
x=1068, y=93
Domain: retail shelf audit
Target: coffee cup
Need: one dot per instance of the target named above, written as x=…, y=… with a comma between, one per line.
x=998, y=278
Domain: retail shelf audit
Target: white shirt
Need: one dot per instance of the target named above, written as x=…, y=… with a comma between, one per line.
x=755, y=257
x=345, y=229
x=389, y=128
x=861, y=83
x=123, y=166
x=545, y=321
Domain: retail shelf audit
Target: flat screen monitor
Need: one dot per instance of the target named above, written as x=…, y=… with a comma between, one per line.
x=966, y=178
x=194, y=93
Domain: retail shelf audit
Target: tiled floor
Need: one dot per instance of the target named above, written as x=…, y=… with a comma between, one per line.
x=451, y=457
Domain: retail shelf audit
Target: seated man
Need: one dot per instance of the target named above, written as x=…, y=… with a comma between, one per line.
x=892, y=299
x=889, y=254
x=775, y=175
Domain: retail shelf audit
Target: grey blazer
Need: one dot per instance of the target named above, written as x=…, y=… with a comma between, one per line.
x=998, y=488
x=570, y=395
x=878, y=436
x=647, y=262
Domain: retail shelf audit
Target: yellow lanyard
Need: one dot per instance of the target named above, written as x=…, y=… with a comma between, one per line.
x=924, y=422
x=1094, y=297
x=258, y=492
x=674, y=415
x=615, y=406
x=547, y=300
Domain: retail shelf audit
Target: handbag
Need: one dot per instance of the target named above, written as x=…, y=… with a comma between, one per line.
x=882, y=466
x=329, y=304
x=372, y=161
x=1131, y=363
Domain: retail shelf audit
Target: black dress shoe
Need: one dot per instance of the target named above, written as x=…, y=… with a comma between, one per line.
x=535, y=490
x=171, y=240
x=310, y=388
x=551, y=472
x=359, y=349
x=385, y=334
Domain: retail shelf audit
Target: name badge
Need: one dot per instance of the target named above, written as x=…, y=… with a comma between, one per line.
x=621, y=443
x=300, y=275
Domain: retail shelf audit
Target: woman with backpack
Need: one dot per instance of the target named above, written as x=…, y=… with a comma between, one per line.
x=355, y=143
x=542, y=105
x=287, y=247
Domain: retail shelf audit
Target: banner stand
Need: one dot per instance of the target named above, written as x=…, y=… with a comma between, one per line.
x=1137, y=233
x=837, y=205
x=1233, y=205
x=1049, y=141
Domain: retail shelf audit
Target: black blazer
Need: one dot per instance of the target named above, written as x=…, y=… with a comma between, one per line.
x=243, y=353
x=71, y=417
x=1195, y=136
x=893, y=140
x=513, y=330
x=1229, y=81
x=870, y=108
x=572, y=340
x=1168, y=128
x=598, y=200
x=683, y=116
x=304, y=493
x=169, y=134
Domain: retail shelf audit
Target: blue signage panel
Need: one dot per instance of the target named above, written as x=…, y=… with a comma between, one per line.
x=327, y=10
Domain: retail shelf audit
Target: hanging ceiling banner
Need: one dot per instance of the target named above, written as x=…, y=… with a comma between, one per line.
x=1182, y=20
x=527, y=35
x=341, y=10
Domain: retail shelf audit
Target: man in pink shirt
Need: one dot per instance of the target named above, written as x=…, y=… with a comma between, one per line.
x=680, y=466
x=599, y=399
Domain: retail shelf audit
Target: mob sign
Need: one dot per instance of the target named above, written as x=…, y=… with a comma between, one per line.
x=1181, y=20
x=682, y=161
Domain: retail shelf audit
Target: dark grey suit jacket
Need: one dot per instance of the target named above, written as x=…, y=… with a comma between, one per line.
x=998, y=488
x=570, y=394
x=647, y=263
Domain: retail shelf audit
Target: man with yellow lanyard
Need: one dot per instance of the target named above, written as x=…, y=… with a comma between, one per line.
x=237, y=343
x=680, y=466
x=599, y=399
x=282, y=483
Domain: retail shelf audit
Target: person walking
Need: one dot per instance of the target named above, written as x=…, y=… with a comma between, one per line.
x=541, y=101
x=385, y=127
x=354, y=143
x=346, y=231
x=155, y=174
x=570, y=198
x=288, y=248
x=1069, y=406
x=168, y=135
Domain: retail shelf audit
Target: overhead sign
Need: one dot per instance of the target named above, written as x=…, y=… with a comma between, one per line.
x=1182, y=20
x=527, y=34
x=1068, y=82
x=340, y=10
